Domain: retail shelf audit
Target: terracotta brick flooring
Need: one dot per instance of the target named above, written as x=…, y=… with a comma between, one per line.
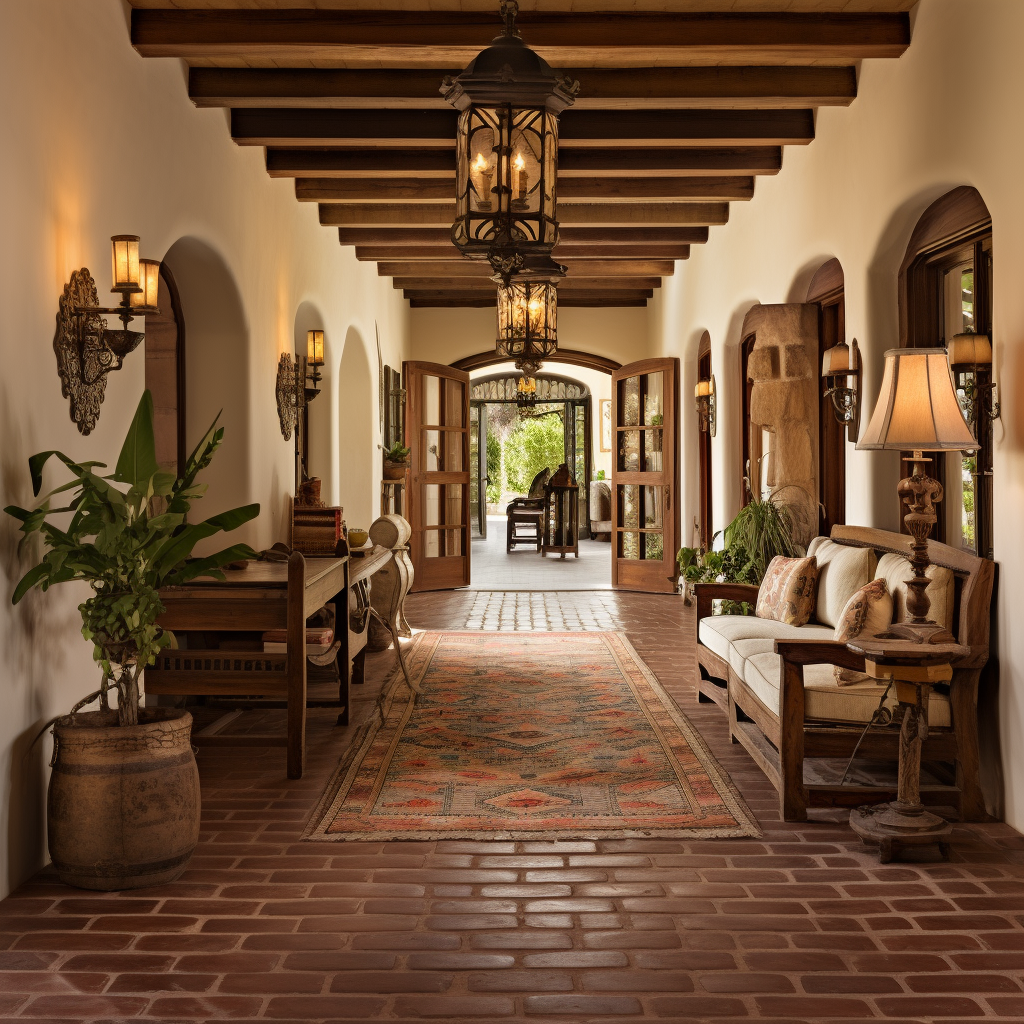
x=801, y=925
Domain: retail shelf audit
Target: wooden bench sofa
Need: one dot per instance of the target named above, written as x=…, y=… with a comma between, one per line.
x=778, y=685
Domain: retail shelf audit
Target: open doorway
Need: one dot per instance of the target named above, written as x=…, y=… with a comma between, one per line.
x=520, y=428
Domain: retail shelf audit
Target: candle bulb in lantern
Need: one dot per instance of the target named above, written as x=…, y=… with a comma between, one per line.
x=482, y=176
x=522, y=177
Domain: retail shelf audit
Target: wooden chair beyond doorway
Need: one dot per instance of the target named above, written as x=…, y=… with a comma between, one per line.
x=525, y=516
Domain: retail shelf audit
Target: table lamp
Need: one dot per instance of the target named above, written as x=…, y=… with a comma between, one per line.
x=917, y=411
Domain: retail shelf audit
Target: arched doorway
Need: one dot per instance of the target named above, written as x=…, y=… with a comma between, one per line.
x=827, y=290
x=165, y=374
x=556, y=397
x=357, y=448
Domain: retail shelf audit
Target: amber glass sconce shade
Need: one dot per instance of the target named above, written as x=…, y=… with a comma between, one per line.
x=707, y=405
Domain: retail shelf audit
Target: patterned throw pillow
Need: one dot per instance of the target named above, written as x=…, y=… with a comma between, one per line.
x=867, y=613
x=787, y=591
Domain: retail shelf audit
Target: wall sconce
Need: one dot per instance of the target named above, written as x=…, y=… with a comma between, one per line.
x=970, y=359
x=86, y=349
x=296, y=387
x=840, y=366
x=707, y=405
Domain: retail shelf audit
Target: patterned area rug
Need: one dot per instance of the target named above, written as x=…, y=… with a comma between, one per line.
x=528, y=736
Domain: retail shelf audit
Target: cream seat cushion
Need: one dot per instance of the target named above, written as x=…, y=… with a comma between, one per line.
x=735, y=638
x=842, y=571
x=824, y=699
x=897, y=571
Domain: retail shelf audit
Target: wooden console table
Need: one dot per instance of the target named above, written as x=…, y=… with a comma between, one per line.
x=913, y=668
x=260, y=597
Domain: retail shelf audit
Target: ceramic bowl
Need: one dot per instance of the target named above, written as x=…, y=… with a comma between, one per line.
x=357, y=538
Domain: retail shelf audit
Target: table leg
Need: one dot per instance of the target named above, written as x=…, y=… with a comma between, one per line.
x=296, y=664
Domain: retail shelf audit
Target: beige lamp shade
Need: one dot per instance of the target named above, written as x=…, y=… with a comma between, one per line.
x=840, y=359
x=704, y=388
x=917, y=408
x=970, y=350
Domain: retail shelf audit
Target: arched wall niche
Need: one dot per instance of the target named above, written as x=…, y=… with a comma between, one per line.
x=321, y=437
x=217, y=378
x=358, y=478
x=704, y=483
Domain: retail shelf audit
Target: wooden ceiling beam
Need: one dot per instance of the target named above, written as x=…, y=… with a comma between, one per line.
x=661, y=161
x=628, y=297
x=304, y=126
x=425, y=215
x=610, y=89
x=609, y=190
x=568, y=285
x=384, y=234
x=449, y=39
x=585, y=254
x=463, y=269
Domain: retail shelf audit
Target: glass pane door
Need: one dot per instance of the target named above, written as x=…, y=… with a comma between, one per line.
x=438, y=424
x=645, y=476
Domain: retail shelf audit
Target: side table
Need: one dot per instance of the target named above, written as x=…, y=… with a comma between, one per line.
x=914, y=668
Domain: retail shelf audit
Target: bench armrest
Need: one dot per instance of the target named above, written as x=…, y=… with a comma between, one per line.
x=819, y=652
x=706, y=593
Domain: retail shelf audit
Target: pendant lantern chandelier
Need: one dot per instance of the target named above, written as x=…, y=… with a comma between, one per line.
x=527, y=308
x=509, y=99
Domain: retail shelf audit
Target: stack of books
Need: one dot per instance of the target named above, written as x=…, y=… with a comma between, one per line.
x=316, y=531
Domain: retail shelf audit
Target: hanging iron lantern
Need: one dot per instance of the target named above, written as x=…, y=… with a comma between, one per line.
x=507, y=150
x=527, y=330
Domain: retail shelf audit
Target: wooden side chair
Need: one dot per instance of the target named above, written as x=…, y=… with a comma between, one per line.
x=525, y=516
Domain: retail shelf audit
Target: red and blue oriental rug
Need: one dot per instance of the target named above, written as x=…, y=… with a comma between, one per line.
x=528, y=736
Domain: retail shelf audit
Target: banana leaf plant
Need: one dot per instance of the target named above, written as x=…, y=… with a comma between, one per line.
x=127, y=542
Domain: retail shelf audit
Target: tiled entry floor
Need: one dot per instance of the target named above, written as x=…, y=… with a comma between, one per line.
x=802, y=925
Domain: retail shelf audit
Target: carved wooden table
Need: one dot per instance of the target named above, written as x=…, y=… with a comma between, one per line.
x=913, y=668
x=262, y=596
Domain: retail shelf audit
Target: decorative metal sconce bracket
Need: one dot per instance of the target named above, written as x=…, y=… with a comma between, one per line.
x=707, y=410
x=846, y=396
x=86, y=349
x=287, y=395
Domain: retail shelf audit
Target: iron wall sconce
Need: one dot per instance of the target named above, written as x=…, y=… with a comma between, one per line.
x=841, y=369
x=296, y=385
x=970, y=359
x=86, y=349
x=707, y=405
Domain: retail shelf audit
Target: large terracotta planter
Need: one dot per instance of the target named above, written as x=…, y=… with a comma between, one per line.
x=123, y=804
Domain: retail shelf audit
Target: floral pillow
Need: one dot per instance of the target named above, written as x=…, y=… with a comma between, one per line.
x=787, y=592
x=867, y=613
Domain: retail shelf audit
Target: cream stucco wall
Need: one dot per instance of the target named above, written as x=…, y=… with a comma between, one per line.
x=253, y=266
x=946, y=113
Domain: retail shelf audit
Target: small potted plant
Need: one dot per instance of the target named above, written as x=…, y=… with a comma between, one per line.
x=123, y=803
x=396, y=460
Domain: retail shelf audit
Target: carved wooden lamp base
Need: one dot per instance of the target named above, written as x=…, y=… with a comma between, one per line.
x=894, y=827
x=920, y=493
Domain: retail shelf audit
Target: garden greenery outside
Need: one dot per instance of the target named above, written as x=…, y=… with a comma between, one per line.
x=518, y=449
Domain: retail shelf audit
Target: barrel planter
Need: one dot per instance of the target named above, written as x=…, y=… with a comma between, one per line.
x=123, y=804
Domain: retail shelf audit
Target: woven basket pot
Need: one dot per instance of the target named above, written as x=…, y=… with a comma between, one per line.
x=123, y=803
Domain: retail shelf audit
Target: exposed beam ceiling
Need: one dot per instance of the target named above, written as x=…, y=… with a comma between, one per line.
x=682, y=104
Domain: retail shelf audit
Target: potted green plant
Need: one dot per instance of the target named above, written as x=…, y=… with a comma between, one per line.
x=123, y=802
x=396, y=460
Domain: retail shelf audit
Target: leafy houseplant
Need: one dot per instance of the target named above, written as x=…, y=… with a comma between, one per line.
x=127, y=544
x=760, y=531
x=396, y=460
x=123, y=802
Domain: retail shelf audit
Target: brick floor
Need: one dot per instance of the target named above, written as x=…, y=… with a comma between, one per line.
x=802, y=925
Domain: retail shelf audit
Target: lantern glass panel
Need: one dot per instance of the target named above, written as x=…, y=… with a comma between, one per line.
x=505, y=166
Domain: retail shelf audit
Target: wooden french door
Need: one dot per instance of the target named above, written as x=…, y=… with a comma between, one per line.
x=645, y=475
x=437, y=431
